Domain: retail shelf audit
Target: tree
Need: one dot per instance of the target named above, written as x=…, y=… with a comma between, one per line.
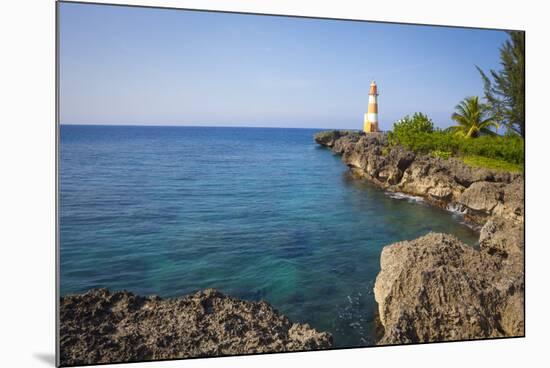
x=505, y=89
x=472, y=119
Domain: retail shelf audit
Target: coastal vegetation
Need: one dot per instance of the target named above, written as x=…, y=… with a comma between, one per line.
x=498, y=152
x=475, y=139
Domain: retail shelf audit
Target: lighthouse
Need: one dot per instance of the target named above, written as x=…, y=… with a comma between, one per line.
x=370, y=124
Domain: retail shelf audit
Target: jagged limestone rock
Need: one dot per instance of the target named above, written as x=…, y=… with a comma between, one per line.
x=106, y=327
x=436, y=288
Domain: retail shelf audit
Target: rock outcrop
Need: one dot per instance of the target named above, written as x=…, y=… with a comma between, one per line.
x=435, y=288
x=106, y=327
x=476, y=192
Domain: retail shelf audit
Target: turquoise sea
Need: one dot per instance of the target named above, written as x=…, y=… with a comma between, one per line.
x=257, y=213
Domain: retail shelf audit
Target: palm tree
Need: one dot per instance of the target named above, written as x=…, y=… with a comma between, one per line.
x=472, y=119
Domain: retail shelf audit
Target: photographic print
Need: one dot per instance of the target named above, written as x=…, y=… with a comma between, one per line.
x=233, y=184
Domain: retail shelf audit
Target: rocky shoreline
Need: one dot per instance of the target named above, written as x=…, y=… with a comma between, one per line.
x=101, y=326
x=436, y=288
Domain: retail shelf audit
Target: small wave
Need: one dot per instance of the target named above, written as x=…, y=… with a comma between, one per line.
x=456, y=208
x=408, y=197
x=459, y=211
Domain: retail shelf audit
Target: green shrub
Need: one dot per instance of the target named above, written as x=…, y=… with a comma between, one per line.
x=507, y=148
x=418, y=134
x=425, y=142
x=419, y=122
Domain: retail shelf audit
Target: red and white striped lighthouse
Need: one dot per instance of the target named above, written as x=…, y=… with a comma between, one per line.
x=370, y=124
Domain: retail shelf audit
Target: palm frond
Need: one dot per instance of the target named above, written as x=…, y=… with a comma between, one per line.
x=471, y=117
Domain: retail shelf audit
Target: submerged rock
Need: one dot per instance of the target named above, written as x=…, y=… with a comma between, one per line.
x=106, y=327
x=436, y=288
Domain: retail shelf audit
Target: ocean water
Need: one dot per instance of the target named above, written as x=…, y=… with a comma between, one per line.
x=255, y=213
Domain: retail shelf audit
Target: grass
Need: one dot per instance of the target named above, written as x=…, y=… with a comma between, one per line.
x=491, y=163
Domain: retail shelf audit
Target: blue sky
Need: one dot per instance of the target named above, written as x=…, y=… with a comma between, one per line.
x=140, y=66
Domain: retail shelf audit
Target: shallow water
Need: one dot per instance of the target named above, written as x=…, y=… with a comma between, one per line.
x=256, y=213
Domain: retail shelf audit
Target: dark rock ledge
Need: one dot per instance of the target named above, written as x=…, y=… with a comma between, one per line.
x=436, y=288
x=107, y=327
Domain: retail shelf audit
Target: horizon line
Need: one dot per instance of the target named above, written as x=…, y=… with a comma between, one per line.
x=200, y=126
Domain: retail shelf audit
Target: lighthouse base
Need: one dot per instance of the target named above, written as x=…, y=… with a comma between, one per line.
x=369, y=127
